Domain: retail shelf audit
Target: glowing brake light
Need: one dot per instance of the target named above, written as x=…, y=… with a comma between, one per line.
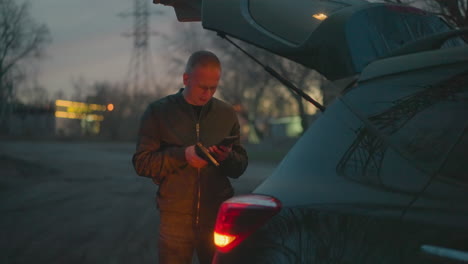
x=240, y=216
x=223, y=240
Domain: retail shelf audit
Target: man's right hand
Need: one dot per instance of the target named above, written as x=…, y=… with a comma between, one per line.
x=193, y=159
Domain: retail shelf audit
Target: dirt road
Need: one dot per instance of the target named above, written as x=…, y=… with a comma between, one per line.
x=81, y=203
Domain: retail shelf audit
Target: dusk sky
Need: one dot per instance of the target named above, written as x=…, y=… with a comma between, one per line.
x=87, y=40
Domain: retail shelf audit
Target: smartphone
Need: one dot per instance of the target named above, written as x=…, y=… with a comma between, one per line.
x=228, y=141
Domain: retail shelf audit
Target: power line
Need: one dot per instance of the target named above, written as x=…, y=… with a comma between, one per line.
x=139, y=76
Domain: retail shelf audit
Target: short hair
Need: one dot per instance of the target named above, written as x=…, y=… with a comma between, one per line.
x=202, y=58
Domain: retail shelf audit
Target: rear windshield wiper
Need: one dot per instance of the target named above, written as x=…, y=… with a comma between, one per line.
x=275, y=74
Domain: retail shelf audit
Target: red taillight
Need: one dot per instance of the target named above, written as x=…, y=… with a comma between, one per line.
x=240, y=216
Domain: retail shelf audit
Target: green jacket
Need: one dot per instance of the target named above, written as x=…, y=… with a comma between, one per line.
x=168, y=126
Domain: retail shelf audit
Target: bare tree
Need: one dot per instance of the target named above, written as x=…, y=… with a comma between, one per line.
x=36, y=95
x=253, y=88
x=454, y=11
x=245, y=84
x=302, y=77
x=81, y=88
x=123, y=122
x=256, y=95
x=21, y=38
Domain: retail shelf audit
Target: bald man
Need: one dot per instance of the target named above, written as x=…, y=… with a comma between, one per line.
x=190, y=187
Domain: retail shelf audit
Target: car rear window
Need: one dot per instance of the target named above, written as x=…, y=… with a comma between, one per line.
x=373, y=34
x=430, y=127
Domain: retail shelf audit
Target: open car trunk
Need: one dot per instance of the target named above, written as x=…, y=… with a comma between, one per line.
x=337, y=38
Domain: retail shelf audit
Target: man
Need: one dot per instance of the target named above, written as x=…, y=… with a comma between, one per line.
x=190, y=189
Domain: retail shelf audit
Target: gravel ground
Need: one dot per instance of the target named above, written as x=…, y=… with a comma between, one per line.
x=81, y=203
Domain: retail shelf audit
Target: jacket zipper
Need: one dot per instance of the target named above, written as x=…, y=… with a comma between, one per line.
x=199, y=178
x=197, y=128
x=197, y=219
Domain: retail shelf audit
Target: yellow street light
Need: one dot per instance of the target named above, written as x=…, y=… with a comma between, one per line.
x=110, y=107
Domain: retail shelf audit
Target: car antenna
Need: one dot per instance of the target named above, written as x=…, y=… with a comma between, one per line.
x=275, y=74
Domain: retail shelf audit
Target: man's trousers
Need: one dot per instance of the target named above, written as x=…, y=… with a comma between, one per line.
x=179, y=238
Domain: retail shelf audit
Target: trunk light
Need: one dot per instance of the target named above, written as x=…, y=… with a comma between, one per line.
x=320, y=16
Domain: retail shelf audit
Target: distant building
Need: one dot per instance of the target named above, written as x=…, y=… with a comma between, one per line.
x=62, y=119
x=67, y=127
x=31, y=121
x=75, y=119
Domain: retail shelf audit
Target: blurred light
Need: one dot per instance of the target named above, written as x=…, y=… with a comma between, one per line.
x=62, y=114
x=110, y=107
x=94, y=117
x=223, y=240
x=96, y=107
x=63, y=103
x=237, y=107
x=320, y=16
x=79, y=107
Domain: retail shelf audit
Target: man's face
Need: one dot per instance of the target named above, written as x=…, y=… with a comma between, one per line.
x=201, y=84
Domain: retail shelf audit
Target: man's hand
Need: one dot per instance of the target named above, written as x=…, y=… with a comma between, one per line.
x=220, y=152
x=193, y=159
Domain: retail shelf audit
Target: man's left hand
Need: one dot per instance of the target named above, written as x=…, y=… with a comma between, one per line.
x=221, y=152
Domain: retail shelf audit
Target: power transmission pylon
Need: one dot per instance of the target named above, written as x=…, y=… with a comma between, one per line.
x=139, y=75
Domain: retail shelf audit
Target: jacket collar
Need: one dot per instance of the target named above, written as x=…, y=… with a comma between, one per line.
x=188, y=107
